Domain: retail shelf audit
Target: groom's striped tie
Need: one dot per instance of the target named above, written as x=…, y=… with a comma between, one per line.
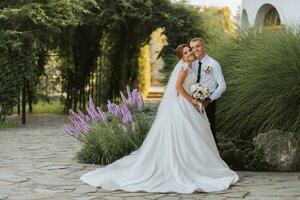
x=199, y=72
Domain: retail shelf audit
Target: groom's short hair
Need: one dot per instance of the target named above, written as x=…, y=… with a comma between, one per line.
x=198, y=39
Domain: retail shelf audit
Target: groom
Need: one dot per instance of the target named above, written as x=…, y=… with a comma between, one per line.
x=209, y=73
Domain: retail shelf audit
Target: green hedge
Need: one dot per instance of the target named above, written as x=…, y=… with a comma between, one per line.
x=13, y=69
x=262, y=72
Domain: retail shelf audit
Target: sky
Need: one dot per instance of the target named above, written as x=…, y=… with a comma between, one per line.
x=232, y=4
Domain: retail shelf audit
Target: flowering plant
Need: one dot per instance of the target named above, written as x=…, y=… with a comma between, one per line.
x=80, y=125
x=108, y=136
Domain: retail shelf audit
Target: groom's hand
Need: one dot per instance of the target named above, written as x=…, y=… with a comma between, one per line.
x=205, y=103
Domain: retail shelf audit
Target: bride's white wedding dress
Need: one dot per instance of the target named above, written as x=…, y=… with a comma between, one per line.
x=178, y=155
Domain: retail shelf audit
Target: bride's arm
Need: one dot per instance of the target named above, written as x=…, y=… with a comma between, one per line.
x=181, y=90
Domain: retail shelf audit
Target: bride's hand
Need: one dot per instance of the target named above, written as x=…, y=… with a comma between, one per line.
x=195, y=102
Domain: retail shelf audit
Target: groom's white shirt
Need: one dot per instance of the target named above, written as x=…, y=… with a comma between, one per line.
x=214, y=80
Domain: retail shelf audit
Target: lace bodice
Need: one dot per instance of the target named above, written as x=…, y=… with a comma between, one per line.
x=190, y=79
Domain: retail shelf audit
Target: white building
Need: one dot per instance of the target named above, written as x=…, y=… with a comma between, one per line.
x=257, y=13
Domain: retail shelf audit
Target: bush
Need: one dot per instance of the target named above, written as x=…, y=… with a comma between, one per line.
x=13, y=61
x=9, y=123
x=105, y=144
x=262, y=71
x=108, y=137
x=242, y=155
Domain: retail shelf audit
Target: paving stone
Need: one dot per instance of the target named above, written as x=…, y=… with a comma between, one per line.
x=64, y=187
x=3, y=196
x=9, y=177
x=85, y=189
x=113, y=198
x=157, y=196
x=132, y=194
x=170, y=198
x=5, y=183
x=42, y=190
x=236, y=194
x=33, y=196
x=51, y=180
x=54, y=167
x=87, y=198
x=271, y=198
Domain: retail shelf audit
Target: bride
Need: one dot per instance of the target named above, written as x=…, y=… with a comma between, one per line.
x=179, y=153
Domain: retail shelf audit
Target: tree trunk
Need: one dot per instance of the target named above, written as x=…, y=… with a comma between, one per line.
x=30, y=95
x=75, y=100
x=2, y=114
x=19, y=105
x=96, y=86
x=91, y=86
x=24, y=102
x=83, y=97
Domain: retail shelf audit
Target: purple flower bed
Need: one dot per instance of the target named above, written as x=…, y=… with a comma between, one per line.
x=80, y=125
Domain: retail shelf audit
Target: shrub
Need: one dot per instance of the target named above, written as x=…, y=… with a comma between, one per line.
x=242, y=155
x=108, y=137
x=262, y=71
x=14, y=65
x=9, y=123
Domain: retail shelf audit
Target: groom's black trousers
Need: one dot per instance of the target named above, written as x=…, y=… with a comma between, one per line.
x=211, y=115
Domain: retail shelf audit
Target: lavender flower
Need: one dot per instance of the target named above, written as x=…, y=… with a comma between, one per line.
x=79, y=121
x=95, y=114
x=102, y=115
x=114, y=108
x=70, y=131
x=135, y=98
x=129, y=95
x=79, y=124
x=123, y=98
x=126, y=115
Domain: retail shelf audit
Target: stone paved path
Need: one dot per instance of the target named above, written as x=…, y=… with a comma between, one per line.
x=36, y=162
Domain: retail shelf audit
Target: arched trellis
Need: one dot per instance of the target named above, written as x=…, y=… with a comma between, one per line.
x=117, y=59
x=99, y=52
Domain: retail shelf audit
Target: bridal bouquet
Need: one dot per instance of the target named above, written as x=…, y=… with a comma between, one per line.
x=201, y=93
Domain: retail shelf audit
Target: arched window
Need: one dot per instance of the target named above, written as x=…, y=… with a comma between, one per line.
x=245, y=20
x=272, y=17
x=267, y=15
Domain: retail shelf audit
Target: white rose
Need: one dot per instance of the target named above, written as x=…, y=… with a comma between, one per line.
x=193, y=88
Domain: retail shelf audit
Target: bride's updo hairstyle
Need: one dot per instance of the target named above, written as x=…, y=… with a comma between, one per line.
x=179, y=50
